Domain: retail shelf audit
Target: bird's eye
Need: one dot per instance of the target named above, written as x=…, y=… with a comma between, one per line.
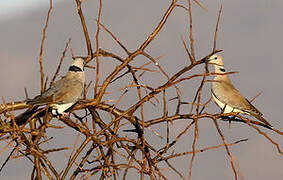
x=215, y=58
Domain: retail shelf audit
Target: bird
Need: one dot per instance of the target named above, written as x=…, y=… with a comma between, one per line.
x=61, y=95
x=226, y=96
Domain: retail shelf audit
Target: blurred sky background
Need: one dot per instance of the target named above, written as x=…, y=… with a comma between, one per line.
x=250, y=34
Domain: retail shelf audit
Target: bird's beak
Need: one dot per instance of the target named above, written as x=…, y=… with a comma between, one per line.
x=207, y=60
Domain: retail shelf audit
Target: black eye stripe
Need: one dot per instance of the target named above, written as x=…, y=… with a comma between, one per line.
x=222, y=69
x=75, y=69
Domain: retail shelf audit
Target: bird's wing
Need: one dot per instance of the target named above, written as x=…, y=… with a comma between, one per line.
x=254, y=109
x=62, y=91
x=230, y=95
x=237, y=101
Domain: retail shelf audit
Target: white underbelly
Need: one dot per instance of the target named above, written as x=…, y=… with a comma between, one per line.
x=60, y=108
x=225, y=107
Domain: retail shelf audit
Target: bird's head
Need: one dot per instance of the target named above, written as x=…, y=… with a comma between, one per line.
x=217, y=61
x=77, y=65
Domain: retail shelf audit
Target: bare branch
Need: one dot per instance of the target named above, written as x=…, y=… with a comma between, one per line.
x=88, y=43
x=216, y=29
x=42, y=46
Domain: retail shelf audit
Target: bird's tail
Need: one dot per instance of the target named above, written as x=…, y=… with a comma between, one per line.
x=260, y=118
x=22, y=118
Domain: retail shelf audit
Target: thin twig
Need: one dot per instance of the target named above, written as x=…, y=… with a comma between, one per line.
x=191, y=30
x=60, y=62
x=216, y=29
x=88, y=43
x=42, y=46
x=97, y=75
x=227, y=148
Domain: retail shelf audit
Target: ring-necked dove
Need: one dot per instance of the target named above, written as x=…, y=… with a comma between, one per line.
x=226, y=96
x=65, y=92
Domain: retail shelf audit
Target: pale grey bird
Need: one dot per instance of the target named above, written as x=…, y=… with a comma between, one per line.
x=65, y=92
x=226, y=96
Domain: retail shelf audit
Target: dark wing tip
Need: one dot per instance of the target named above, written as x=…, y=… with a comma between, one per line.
x=254, y=109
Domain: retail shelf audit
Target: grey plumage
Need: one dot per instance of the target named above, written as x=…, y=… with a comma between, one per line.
x=226, y=96
x=65, y=92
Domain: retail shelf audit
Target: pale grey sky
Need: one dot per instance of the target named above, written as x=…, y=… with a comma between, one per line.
x=13, y=8
x=250, y=34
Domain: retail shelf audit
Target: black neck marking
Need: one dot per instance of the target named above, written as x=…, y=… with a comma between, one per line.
x=75, y=69
x=222, y=69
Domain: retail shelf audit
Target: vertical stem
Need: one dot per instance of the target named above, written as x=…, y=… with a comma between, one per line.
x=88, y=44
x=97, y=48
x=42, y=46
x=37, y=167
